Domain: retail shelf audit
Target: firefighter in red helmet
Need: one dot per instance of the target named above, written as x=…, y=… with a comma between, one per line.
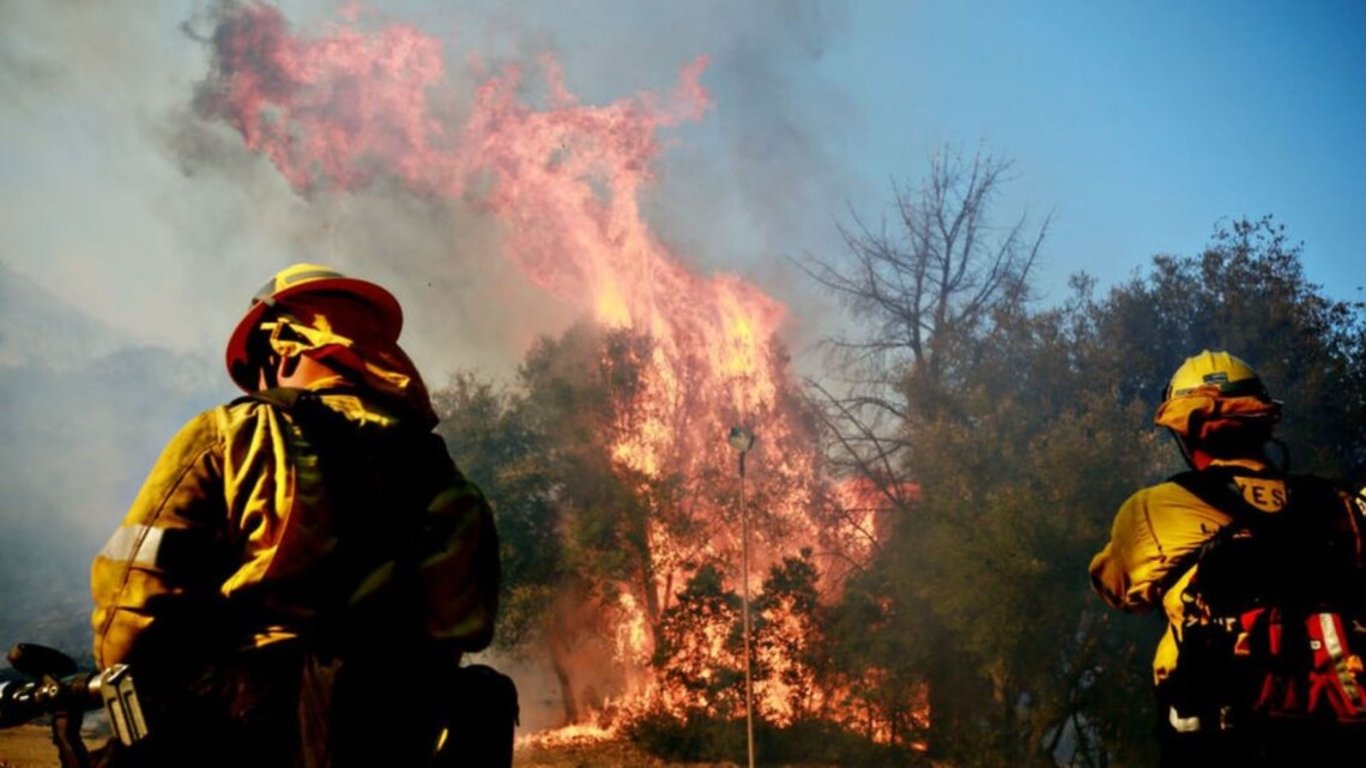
x=1241, y=556
x=304, y=568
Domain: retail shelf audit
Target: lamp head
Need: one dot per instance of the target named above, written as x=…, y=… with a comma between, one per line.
x=741, y=439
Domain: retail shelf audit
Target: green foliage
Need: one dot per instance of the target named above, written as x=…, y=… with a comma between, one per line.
x=878, y=648
x=1019, y=449
x=495, y=441
x=581, y=392
x=569, y=520
x=702, y=737
x=693, y=737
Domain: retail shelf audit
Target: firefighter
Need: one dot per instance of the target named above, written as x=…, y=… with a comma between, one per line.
x=303, y=569
x=1237, y=502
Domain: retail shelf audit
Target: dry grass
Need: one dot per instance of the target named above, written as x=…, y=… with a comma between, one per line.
x=27, y=746
x=607, y=754
x=30, y=746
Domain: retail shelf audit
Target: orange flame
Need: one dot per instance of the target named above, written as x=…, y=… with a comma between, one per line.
x=341, y=110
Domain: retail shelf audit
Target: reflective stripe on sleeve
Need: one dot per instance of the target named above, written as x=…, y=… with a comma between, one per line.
x=1183, y=724
x=137, y=544
x=1332, y=640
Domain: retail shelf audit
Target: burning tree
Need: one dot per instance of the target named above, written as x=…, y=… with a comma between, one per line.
x=642, y=602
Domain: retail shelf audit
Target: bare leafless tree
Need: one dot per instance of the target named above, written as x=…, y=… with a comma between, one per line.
x=934, y=272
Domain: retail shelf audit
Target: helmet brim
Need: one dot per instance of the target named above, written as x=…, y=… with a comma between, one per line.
x=389, y=312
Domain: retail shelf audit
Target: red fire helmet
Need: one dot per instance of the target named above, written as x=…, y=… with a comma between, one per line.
x=300, y=279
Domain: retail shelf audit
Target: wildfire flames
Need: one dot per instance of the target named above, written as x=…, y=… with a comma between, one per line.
x=340, y=110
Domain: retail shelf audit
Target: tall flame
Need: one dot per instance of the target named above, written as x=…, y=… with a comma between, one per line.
x=348, y=107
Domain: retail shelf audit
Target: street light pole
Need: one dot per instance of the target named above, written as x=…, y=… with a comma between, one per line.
x=742, y=440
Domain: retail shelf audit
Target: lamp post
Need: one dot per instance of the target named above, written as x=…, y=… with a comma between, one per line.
x=742, y=440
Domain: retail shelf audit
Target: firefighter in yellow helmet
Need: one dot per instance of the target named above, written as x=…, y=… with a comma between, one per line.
x=1217, y=548
x=304, y=567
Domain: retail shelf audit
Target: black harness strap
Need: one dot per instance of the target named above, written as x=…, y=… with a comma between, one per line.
x=1218, y=490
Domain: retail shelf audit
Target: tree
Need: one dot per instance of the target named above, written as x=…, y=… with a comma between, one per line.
x=1026, y=444
x=494, y=441
x=789, y=626
x=572, y=523
x=1247, y=293
x=701, y=649
x=924, y=292
x=936, y=275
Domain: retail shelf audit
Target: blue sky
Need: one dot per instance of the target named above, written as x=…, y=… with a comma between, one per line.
x=1136, y=126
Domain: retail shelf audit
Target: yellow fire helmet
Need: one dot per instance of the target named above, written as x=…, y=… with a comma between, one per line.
x=1213, y=390
x=300, y=279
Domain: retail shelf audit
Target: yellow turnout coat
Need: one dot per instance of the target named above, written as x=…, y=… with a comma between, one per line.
x=239, y=514
x=1148, y=560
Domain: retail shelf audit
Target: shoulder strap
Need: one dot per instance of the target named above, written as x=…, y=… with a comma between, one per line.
x=1217, y=488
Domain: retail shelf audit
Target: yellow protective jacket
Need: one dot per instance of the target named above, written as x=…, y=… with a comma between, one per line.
x=1149, y=559
x=249, y=532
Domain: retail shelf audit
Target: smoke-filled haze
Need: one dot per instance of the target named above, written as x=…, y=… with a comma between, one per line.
x=137, y=221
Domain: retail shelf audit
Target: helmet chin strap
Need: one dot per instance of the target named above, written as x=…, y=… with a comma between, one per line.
x=269, y=373
x=277, y=367
x=1284, y=463
x=1186, y=452
x=277, y=363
